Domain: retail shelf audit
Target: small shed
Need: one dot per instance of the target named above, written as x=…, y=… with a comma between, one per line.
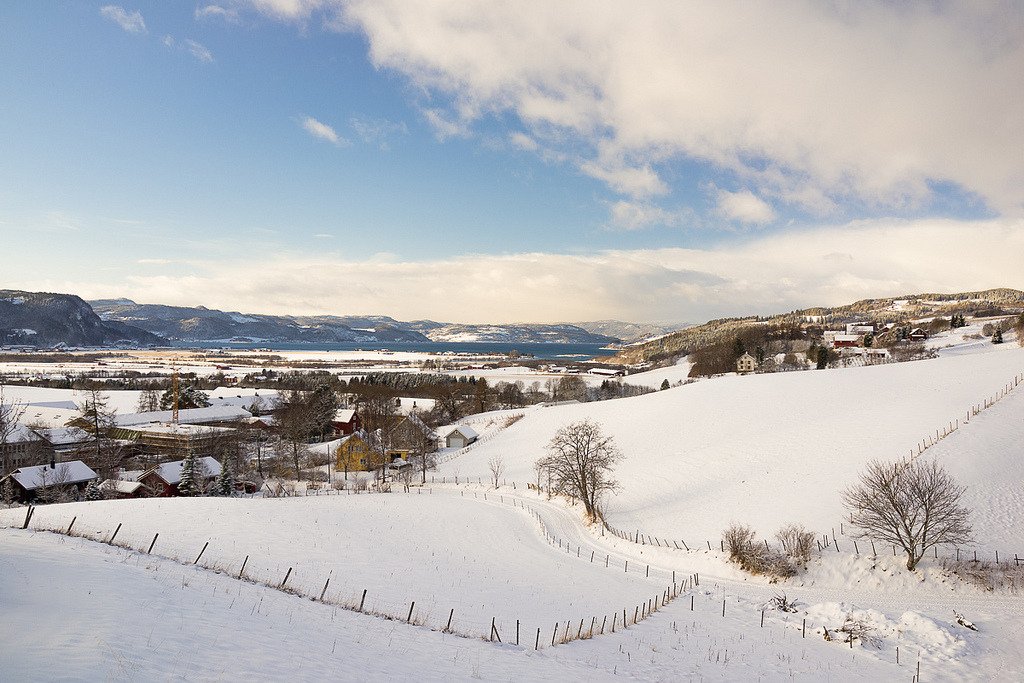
x=457, y=436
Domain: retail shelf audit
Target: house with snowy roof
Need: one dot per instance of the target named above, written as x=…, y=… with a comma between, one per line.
x=22, y=446
x=67, y=478
x=66, y=440
x=456, y=436
x=162, y=481
x=345, y=421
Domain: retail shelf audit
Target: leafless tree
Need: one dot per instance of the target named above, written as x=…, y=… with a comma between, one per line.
x=914, y=506
x=10, y=417
x=149, y=401
x=295, y=419
x=53, y=485
x=497, y=467
x=580, y=460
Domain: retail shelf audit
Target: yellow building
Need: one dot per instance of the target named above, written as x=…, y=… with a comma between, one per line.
x=355, y=454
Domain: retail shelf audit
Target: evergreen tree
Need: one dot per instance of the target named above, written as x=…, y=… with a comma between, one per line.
x=93, y=491
x=997, y=336
x=664, y=385
x=822, y=358
x=226, y=481
x=188, y=397
x=738, y=348
x=7, y=492
x=191, y=477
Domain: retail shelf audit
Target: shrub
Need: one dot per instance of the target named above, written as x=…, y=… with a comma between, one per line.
x=796, y=541
x=738, y=539
x=754, y=557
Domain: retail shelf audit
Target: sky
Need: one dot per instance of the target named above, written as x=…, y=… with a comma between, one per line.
x=519, y=161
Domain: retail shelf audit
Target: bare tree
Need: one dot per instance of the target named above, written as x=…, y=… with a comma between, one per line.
x=915, y=506
x=149, y=401
x=580, y=460
x=497, y=466
x=10, y=416
x=296, y=421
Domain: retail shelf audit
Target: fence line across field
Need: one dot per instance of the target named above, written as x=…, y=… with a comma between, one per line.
x=498, y=632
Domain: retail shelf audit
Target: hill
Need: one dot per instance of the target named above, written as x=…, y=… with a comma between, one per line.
x=46, y=319
x=199, y=323
x=897, y=309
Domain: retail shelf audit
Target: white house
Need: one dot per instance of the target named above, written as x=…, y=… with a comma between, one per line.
x=456, y=436
x=746, y=363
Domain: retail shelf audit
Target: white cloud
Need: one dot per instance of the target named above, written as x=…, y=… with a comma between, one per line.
x=743, y=206
x=523, y=141
x=815, y=104
x=763, y=274
x=378, y=132
x=629, y=215
x=132, y=22
x=321, y=130
x=446, y=126
x=323, y=236
x=198, y=51
x=218, y=12
x=168, y=40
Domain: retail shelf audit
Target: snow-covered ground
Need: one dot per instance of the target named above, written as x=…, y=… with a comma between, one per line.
x=768, y=450
x=762, y=449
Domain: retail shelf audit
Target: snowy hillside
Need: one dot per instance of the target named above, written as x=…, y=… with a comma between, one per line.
x=777, y=448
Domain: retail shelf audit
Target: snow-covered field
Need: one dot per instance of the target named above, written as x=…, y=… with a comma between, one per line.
x=763, y=449
x=771, y=449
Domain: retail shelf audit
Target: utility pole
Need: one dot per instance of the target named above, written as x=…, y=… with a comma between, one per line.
x=174, y=389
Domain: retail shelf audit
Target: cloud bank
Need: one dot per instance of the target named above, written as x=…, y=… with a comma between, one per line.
x=766, y=274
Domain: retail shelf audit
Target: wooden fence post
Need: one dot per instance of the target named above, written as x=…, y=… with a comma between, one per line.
x=111, y=541
x=197, y=556
x=286, y=575
x=240, y=571
x=362, y=600
x=150, y=550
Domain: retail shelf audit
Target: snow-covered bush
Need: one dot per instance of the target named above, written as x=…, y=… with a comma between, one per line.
x=753, y=556
x=797, y=542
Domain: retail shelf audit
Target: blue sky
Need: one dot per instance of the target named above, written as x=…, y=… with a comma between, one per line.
x=495, y=163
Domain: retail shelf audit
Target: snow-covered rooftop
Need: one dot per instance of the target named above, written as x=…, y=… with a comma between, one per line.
x=74, y=472
x=186, y=416
x=65, y=436
x=170, y=472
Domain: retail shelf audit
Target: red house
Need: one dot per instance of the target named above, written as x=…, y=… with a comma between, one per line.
x=346, y=421
x=162, y=480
